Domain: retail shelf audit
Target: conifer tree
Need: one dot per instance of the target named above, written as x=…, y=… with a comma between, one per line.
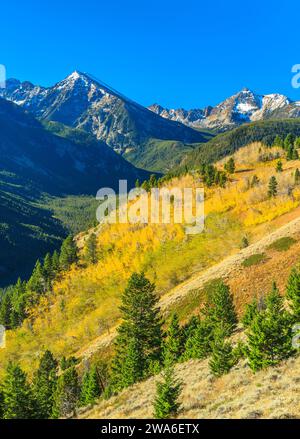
x=293, y=293
x=250, y=313
x=174, y=343
x=168, y=390
x=278, y=141
x=222, y=358
x=220, y=308
x=36, y=282
x=289, y=141
x=198, y=344
x=270, y=334
x=139, y=340
x=230, y=166
x=44, y=385
x=279, y=166
x=67, y=393
x=68, y=254
x=272, y=191
x=90, y=388
x=91, y=249
x=18, y=402
x=295, y=155
x=5, y=310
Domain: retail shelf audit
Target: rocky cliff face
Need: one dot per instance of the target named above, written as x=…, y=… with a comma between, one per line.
x=245, y=106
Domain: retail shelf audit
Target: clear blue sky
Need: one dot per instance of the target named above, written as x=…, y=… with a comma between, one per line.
x=178, y=53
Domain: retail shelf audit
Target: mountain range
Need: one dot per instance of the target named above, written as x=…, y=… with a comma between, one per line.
x=243, y=107
x=83, y=102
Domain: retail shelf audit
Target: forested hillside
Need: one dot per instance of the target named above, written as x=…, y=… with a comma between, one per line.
x=71, y=303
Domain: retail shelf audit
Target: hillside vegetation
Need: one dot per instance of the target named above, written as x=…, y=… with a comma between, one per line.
x=79, y=312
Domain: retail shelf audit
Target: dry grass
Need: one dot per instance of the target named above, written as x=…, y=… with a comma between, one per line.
x=272, y=393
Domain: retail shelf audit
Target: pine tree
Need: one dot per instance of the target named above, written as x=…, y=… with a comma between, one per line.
x=18, y=402
x=91, y=249
x=272, y=192
x=44, y=385
x=295, y=155
x=278, y=141
x=36, y=282
x=139, y=339
x=90, y=388
x=198, y=344
x=168, y=390
x=222, y=358
x=290, y=152
x=230, y=166
x=68, y=254
x=250, y=313
x=289, y=141
x=137, y=183
x=297, y=176
x=293, y=293
x=5, y=310
x=220, y=308
x=245, y=242
x=279, y=166
x=270, y=334
x=67, y=393
x=174, y=343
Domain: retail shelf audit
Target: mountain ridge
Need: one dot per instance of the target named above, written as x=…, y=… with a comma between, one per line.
x=242, y=107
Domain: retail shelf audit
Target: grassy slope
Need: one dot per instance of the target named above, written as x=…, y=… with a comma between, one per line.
x=271, y=393
x=91, y=294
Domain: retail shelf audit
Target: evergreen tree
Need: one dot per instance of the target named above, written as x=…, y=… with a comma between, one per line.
x=220, y=308
x=90, y=388
x=279, y=166
x=250, y=313
x=139, y=339
x=174, y=343
x=289, y=141
x=5, y=310
x=245, y=242
x=137, y=183
x=67, y=393
x=44, y=385
x=272, y=191
x=36, y=282
x=270, y=334
x=48, y=271
x=18, y=402
x=290, y=152
x=166, y=403
x=295, y=155
x=68, y=254
x=91, y=249
x=297, y=176
x=198, y=344
x=278, y=141
x=230, y=166
x=293, y=293
x=222, y=358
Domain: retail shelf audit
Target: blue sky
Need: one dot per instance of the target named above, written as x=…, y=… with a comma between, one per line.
x=177, y=53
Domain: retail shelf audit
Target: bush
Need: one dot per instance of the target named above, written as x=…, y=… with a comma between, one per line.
x=254, y=259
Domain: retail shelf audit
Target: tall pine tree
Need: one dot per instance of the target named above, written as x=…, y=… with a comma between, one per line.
x=139, y=340
x=44, y=385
